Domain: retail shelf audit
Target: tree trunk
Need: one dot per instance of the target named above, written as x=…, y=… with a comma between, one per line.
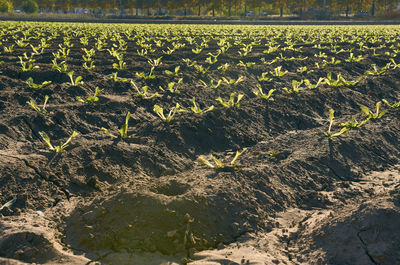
x=229, y=8
x=373, y=8
x=198, y=12
x=281, y=11
x=347, y=11
x=245, y=7
x=213, y=9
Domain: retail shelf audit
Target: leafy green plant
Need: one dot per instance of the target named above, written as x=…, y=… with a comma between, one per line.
x=212, y=84
x=124, y=128
x=372, y=115
x=233, y=81
x=58, y=148
x=296, y=87
x=160, y=112
x=61, y=67
x=173, y=87
x=143, y=92
x=173, y=74
x=353, y=58
x=328, y=133
x=260, y=93
x=34, y=86
x=114, y=77
x=231, y=102
x=150, y=75
x=278, y=72
x=218, y=164
x=395, y=105
x=91, y=99
x=74, y=82
x=376, y=71
x=42, y=109
x=196, y=109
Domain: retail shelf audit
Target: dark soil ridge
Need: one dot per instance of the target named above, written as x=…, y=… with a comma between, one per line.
x=145, y=193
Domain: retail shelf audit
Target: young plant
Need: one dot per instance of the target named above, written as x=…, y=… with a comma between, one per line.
x=233, y=81
x=278, y=72
x=212, y=84
x=260, y=93
x=143, y=92
x=296, y=87
x=231, y=102
x=37, y=86
x=173, y=74
x=373, y=115
x=114, y=77
x=375, y=71
x=61, y=67
x=196, y=109
x=328, y=133
x=219, y=165
x=144, y=76
x=124, y=128
x=160, y=112
x=172, y=87
x=395, y=105
x=352, y=58
x=58, y=148
x=42, y=109
x=74, y=82
x=264, y=77
x=91, y=99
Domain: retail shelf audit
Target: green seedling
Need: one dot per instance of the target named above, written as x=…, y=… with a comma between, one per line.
x=218, y=164
x=278, y=72
x=108, y=133
x=375, y=71
x=264, y=77
x=124, y=128
x=74, y=82
x=260, y=93
x=212, y=84
x=143, y=92
x=148, y=76
x=37, y=86
x=91, y=99
x=231, y=102
x=114, y=77
x=42, y=109
x=372, y=115
x=196, y=109
x=328, y=133
x=61, y=67
x=172, y=87
x=197, y=50
x=350, y=124
x=352, y=58
x=233, y=81
x=58, y=148
x=296, y=87
x=395, y=105
x=160, y=112
x=173, y=74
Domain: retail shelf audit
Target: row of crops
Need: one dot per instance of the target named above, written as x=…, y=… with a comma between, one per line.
x=178, y=70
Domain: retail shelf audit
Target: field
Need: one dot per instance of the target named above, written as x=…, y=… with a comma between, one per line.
x=175, y=144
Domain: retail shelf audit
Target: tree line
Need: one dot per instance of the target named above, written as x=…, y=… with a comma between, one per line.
x=218, y=7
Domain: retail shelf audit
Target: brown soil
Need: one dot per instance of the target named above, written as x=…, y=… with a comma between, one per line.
x=297, y=198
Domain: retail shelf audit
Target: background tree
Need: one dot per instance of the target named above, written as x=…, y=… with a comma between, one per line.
x=30, y=6
x=5, y=6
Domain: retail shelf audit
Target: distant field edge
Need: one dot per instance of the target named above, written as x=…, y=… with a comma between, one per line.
x=216, y=22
